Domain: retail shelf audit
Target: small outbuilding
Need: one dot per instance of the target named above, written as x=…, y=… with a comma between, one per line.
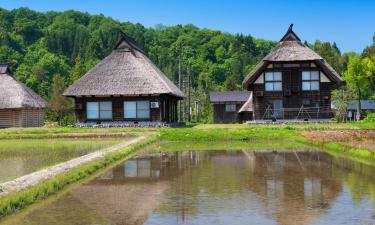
x=19, y=105
x=125, y=88
x=232, y=106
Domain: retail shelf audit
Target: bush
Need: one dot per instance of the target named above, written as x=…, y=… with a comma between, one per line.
x=370, y=117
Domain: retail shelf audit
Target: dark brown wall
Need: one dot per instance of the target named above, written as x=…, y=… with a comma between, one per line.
x=292, y=81
x=167, y=111
x=221, y=116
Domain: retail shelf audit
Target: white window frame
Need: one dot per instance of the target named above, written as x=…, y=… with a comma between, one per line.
x=99, y=112
x=138, y=108
x=308, y=81
x=230, y=108
x=270, y=84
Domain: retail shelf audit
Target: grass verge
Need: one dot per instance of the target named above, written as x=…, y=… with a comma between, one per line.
x=15, y=201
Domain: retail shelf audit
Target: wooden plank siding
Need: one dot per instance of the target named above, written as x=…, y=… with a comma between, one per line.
x=222, y=116
x=292, y=95
x=21, y=117
x=167, y=111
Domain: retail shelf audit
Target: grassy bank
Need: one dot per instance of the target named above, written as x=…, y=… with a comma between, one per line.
x=18, y=200
x=173, y=146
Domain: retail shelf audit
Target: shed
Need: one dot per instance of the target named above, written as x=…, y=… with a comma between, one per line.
x=19, y=105
x=231, y=106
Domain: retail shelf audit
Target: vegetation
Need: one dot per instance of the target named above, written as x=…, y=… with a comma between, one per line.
x=51, y=50
x=342, y=96
x=370, y=118
x=18, y=200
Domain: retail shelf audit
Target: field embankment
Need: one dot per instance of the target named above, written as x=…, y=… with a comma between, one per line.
x=356, y=143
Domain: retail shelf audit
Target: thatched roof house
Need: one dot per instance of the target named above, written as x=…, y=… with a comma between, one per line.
x=291, y=82
x=291, y=49
x=125, y=86
x=19, y=105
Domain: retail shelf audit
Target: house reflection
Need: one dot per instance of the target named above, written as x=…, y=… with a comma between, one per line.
x=282, y=187
x=295, y=187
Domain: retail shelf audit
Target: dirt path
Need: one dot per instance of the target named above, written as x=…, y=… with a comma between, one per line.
x=33, y=179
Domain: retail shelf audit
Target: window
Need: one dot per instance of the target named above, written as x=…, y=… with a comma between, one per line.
x=310, y=80
x=273, y=81
x=230, y=108
x=99, y=110
x=136, y=109
x=143, y=109
x=130, y=110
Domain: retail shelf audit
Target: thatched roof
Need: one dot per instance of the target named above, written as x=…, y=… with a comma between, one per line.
x=15, y=95
x=248, y=105
x=229, y=96
x=291, y=49
x=127, y=72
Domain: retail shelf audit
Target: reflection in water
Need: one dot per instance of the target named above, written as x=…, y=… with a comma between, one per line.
x=219, y=187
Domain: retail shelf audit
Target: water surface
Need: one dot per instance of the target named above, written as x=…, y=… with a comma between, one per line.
x=20, y=157
x=218, y=187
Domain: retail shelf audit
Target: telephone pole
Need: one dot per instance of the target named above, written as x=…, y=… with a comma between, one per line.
x=179, y=82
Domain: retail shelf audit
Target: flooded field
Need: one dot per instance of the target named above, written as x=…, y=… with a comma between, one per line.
x=20, y=157
x=218, y=187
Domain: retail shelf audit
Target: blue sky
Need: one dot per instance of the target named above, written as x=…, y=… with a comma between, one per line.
x=351, y=24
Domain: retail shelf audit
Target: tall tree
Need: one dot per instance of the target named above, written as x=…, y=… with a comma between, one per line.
x=355, y=78
x=60, y=105
x=77, y=70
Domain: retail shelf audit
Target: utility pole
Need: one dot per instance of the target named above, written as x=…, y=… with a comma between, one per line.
x=189, y=90
x=179, y=82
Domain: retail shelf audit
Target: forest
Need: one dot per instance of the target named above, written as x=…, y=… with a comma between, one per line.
x=48, y=51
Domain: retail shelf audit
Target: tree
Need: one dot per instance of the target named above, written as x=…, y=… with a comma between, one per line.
x=356, y=79
x=60, y=105
x=77, y=71
x=342, y=98
x=369, y=63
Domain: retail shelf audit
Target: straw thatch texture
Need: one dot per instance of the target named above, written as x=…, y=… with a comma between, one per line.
x=291, y=49
x=126, y=71
x=287, y=51
x=248, y=105
x=15, y=95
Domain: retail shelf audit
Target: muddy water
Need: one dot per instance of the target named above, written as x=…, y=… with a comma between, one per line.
x=20, y=157
x=219, y=187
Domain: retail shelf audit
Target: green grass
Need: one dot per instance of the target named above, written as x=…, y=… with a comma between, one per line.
x=46, y=132
x=173, y=146
x=225, y=134
x=19, y=200
x=347, y=151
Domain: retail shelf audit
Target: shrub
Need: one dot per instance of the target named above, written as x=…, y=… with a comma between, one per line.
x=370, y=117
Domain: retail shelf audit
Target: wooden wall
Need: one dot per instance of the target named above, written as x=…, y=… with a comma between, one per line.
x=167, y=111
x=291, y=80
x=221, y=116
x=21, y=117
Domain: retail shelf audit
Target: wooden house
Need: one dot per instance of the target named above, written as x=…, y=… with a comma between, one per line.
x=291, y=82
x=231, y=106
x=125, y=87
x=19, y=105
